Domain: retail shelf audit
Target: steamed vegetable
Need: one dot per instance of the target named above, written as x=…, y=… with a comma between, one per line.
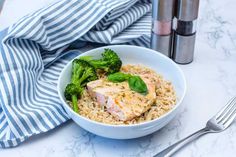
x=135, y=82
x=110, y=61
x=72, y=92
x=82, y=73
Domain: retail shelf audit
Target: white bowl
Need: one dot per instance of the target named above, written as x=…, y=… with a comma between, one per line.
x=129, y=55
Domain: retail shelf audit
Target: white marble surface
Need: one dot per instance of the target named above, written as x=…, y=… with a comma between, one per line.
x=211, y=81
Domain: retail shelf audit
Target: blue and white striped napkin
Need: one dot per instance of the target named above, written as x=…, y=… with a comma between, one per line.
x=37, y=47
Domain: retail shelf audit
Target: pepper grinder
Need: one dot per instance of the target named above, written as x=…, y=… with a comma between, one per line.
x=185, y=31
x=162, y=17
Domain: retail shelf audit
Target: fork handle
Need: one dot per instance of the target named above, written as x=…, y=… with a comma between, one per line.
x=180, y=144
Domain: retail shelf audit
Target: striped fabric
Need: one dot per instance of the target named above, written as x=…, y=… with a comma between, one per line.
x=38, y=46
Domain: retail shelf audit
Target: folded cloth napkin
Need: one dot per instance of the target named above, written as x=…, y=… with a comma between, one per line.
x=35, y=49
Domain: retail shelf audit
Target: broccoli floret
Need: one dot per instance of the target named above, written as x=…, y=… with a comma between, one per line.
x=72, y=92
x=110, y=62
x=82, y=73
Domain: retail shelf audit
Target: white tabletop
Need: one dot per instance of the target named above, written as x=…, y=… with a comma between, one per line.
x=211, y=81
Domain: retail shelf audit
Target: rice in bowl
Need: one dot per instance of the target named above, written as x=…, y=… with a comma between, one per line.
x=165, y=100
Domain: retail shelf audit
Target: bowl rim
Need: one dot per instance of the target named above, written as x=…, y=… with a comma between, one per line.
x=124, y=125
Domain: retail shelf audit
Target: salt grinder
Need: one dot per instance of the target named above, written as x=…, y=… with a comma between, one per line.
x=162, y=17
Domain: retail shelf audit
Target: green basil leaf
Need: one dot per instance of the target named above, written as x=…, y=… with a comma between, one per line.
x=118, y=77
x=137, y=84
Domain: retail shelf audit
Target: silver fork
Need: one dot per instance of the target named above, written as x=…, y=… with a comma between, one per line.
x=222, y=120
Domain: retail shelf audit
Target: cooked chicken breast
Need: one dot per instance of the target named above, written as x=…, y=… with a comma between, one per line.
x=119, y=100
